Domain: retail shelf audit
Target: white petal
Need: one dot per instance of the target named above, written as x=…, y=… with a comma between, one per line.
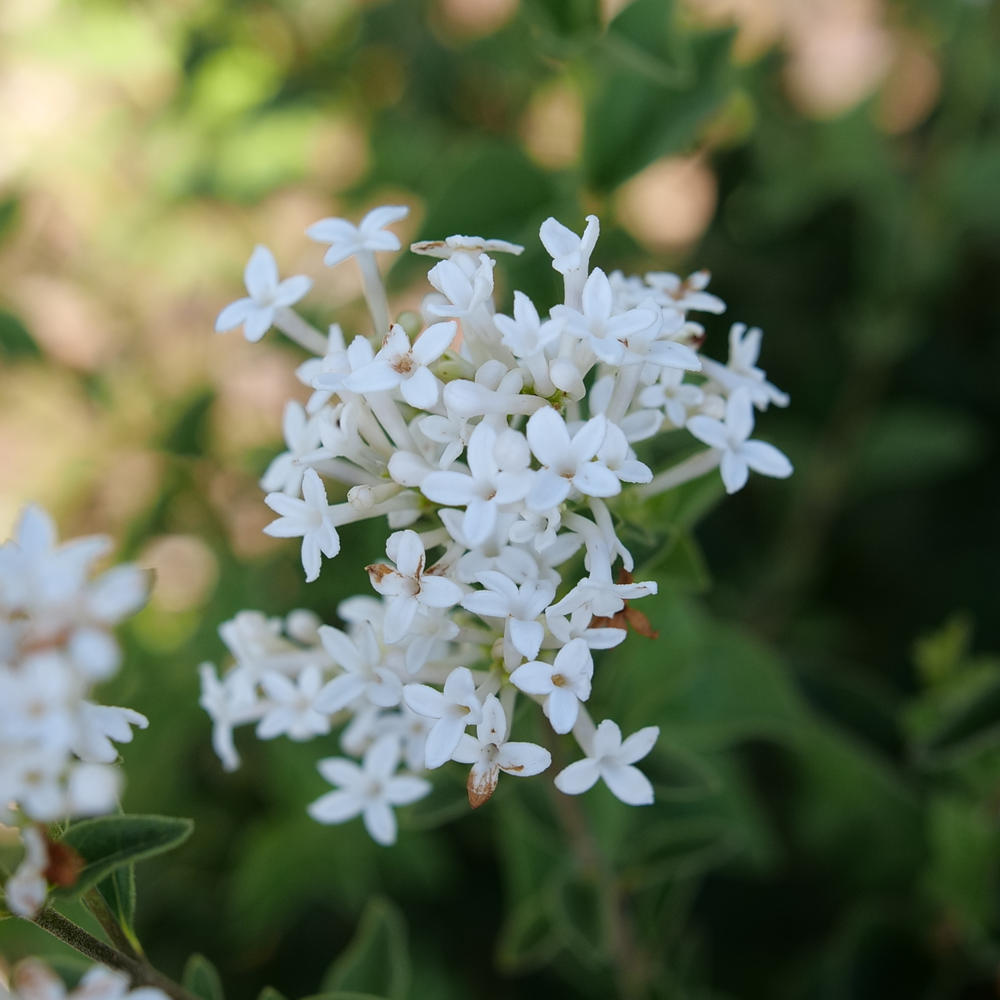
x=421, y=390
x=523, y=759
x=261, y=274
x=579, y=777
x=628, y=784
x=443, y=740
x=638, y=745
x=735, y=471
x=766, y=459
x=562, y=707
x=424, y=700
x=380, y=822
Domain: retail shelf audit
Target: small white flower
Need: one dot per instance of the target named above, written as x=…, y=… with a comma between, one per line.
x=404, y=366
x=526, y=335
x=595, y=323
x=229, y=702
x=739, y=454
x=465, y=294
x=267, y=295
x=455, y=709
x=408, y=586
x=568, y=251
x=369, y=234
x=27, y=889
x=309, y=519
x=577, y=626
x=567, y=464
x=688, y=294
x=33, y=980
x=293, y=710
x=517, y=607
x=489, y=753
x=98, y=725
x=564, y=683
x=365, y=673
x=673, y=395
x=499, y=474
x=741, y=371
x=612, y=760
x=454, y=245
x=284, y=474
x=370, y=790
x=616, y=454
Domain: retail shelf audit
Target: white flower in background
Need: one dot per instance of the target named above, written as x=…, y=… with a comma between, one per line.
x=256, y=313
x=33, y=980
x=489, y=752
x=612, y=760
x=456, y=708
x=492, y=455
x=369, y=791
x=564, y=683
x=369, y=235
x=27, y=889
x=739, y=455
x=404, y=366
x=408, y=586
x=310, y=519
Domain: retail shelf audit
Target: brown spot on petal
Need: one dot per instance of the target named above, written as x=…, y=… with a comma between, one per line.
x=64, y=865
x=378, y=571
x=481, y=786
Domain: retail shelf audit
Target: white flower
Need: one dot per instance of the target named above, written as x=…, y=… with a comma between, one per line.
x=568, y=251
x=499, y=474
x=672, y=394
x=595, y=324
x=517, y=607
x=739, y=454
x=612, y=760
x=404, y=366
x=98, y=725
x=284, y=474
x=365, y=672
x=293, y=711
x=457, y=707
x=465, y=294
x=27, y=889
x=455, y=245
x=489, y=753
x=598, y=594
x=567, y=464
x=741, y=371
x=577, y=626
x=267, y=295
x=526, y=335
x=309, y=519
x=451, y=431
x=688, y=295
x=370, y=790
x=369, y=234
x=33, y=980
x=408, y=586
x=564, y=683
x=616, y=454
x=229, y=702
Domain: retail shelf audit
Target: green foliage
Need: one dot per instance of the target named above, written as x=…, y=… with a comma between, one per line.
x=109, y=843
x=377, y=960
x=15, y=340
x=202, y=979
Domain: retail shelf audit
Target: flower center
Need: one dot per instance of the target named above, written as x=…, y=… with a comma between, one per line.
x=559, y=680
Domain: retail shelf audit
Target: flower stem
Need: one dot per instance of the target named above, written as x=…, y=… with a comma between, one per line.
x=140, y=972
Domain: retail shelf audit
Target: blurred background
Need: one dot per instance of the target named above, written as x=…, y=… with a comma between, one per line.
x=828, y=817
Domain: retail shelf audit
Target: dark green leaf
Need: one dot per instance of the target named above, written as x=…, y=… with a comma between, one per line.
x=118, y=890
x=270, y=993
x=110, y=842
x=15, y=341
x=528, y=937
x=202, y=978
x=189, y=431
x=377, y=959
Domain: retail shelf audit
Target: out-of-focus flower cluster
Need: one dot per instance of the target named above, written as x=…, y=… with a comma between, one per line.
x=499, y=447
x=32, y=979
x=57, y=753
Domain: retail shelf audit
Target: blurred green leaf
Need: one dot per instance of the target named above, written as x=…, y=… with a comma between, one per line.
x=377, y=960
x=270, y=993
x=188, y=434
x=111, y=842
x=118, y=890
x=15, y=340
x=528, y=937
x=10, y=214
x=202, y=979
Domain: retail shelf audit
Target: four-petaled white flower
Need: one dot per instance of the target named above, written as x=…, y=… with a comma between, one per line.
x=739, y=454
x=294, y=711
x=455, y=709
x=688, y=294
x=564, y=683
x=370, y=790
x=404, y=366
x=465, y=293
x=34, y=980
x=489, y=752
x=567, y=463
x=526, y=335
x=408, y=586
x=310, y=519
x=302, y=436
x=611, y=759
x=568, y=251
x=741, y=371
x=673, y=395
x=499, y=474
x=267, y=295
x=368, y=235
x=595, y=323
x=517, y=607
x=364, y=671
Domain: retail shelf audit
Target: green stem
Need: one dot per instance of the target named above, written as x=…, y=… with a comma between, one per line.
x=98, y=906
x=139, y=972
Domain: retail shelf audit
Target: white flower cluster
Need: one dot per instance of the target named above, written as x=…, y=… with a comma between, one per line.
x=56, y=751
x=497, y=444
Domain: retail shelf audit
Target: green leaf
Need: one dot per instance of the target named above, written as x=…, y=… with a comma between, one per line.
x=579, y=917
x=118, y=890
x=377, y=960
x=270, y=993
x=528, y=938
x=188, y=434
x=111, y=842
x=202, y=978
x=15, y=341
